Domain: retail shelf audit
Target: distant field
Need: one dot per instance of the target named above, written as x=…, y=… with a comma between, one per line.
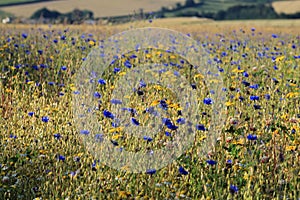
x=6, y=2
x=100, y=8
x=211, y=6
x=192, y=24
x=287, y=7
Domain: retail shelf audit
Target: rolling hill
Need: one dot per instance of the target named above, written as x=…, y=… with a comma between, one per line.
x=103, y=8
x=100, y=8
x=288, y=7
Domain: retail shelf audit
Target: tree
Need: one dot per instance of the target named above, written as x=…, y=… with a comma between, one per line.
x=45, y=13
x=189, y=3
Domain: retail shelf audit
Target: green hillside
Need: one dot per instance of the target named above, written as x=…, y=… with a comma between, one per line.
x=12, y=2
x=213, y=6
x=4, y=14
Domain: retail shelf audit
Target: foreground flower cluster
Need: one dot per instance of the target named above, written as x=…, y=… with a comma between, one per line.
x=43, y=156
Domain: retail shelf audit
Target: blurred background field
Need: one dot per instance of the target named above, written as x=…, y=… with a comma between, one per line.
x=93, y=11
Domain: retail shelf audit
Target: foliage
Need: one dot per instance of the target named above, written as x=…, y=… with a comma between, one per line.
x=76, y=16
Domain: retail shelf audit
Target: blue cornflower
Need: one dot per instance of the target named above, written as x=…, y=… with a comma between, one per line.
x=133, y=56
x=183, y=171
x=30, y=114
x=64, y=68
x=163, y=104
x=255, y=86
x=97, y=95
x=254, y=98
x=169, y=124
x=116, y=70
x=127, y=64
x=57, y=136
x=102, y=81
x=61, y=158
x=147, y=138
x=142, y=84
x=172, y=126
x=43, y=66
x=267, y=96
x=208, y=101
x=40, y=52
x=108, y=114
x=166, y=121
x=85, y=132
x=168, y=134
x=135, y=122
x=293, y=131
x=274, y=36
x=211, y=162
x=94, y=164
x=252, y=137
x=194, y=86
x=116, y=101
x=63, y=37
x=180, y=121
x=176, y=73
x=99, y=137
x=200, y=127
x=245, y=74
x=151, y=171
x=256, y=107
x=72, y=173
x=45, y=119
x=229, y=162
x=275, y=80
x=13, y=136
x=24, y=35
x=233, y=189
x=115, y=143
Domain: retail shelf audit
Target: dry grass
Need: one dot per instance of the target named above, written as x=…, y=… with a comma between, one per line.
x=186, y=25
x=100, y=8
x=287, y=7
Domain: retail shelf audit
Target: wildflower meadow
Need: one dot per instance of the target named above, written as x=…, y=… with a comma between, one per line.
x=44, y=153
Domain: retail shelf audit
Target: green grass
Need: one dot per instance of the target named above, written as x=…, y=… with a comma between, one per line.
x=4, y=14
x=213, y=6
x=7, y=2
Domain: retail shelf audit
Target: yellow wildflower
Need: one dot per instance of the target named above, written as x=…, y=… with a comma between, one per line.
x=199, y=76
x=122, y=73
x=117, y=136
x=236, y=70
x=228, y=103
x=118, y=129
x=280, y=58
x=92, y=43
x=292, y=94
x=290, y=148
x=239, y=142
x=30, y=82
